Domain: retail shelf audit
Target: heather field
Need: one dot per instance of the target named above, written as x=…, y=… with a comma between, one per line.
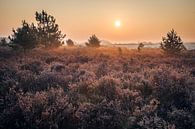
x=96, y=88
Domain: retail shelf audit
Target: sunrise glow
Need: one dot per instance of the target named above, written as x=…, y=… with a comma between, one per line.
x=116, y=20
x=117, y=23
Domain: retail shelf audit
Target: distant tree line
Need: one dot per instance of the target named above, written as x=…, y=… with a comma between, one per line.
x=44, y=33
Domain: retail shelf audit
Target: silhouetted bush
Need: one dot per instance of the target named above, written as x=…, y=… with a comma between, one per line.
x=93, y=41
x=172, y=44
x=70, y=43
x=140, y=46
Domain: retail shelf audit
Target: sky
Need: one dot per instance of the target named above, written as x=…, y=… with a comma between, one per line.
x=141, y=20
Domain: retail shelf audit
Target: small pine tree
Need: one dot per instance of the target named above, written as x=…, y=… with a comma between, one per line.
x=25, y=36
x=93, y=41
x=70, y=43
x=140, y=46
x=172, y=44
x=49, y=34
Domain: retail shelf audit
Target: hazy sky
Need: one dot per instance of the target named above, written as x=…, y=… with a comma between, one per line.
x=142, y=20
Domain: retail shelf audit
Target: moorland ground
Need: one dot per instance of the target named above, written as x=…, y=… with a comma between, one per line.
x=97, y=88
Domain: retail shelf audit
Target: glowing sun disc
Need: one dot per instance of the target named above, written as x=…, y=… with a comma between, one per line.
x=117, y=23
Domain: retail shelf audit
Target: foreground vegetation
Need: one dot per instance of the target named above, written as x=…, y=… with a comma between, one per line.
x=94, y=88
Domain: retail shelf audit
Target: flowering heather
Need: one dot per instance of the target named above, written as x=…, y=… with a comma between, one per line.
x=97, y=88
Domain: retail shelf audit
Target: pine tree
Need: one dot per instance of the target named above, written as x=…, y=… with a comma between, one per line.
x=25, y=36
x=172, y=44
x=93, y=41
x=140, y=46
x=48, y=30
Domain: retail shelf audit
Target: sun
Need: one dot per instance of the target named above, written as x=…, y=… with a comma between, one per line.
x=117, y=23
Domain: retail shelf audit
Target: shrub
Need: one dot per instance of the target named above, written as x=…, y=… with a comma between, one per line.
x=57, y=67
x=8, y=79
x=46, y=81
x=93, y=41
x=83, y=59
x=6, y=52
x=182, y=119
x=70, y=43
x=106, y=115
x=107, y=88
x=34, y=67
x=173, y=92
x=3, y=42
x=11, y=116
x=193, y=72
x=51, y=59
x=172, y=44
x=102, y=69
x=47, y=109
x=140, y=46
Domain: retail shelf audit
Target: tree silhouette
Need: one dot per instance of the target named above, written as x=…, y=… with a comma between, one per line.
x=69, y=42
x=93, y=41
x=172, y=44
x=48, y=31
x=140, y=46
x=25, y=36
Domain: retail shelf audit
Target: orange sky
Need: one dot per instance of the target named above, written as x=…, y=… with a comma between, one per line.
x=142, y=20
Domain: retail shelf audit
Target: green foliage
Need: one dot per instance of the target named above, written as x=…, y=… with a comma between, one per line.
x=69, y=42
x=48, y=31
x=172, y=44
x=25, y=36
x=93, y=41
